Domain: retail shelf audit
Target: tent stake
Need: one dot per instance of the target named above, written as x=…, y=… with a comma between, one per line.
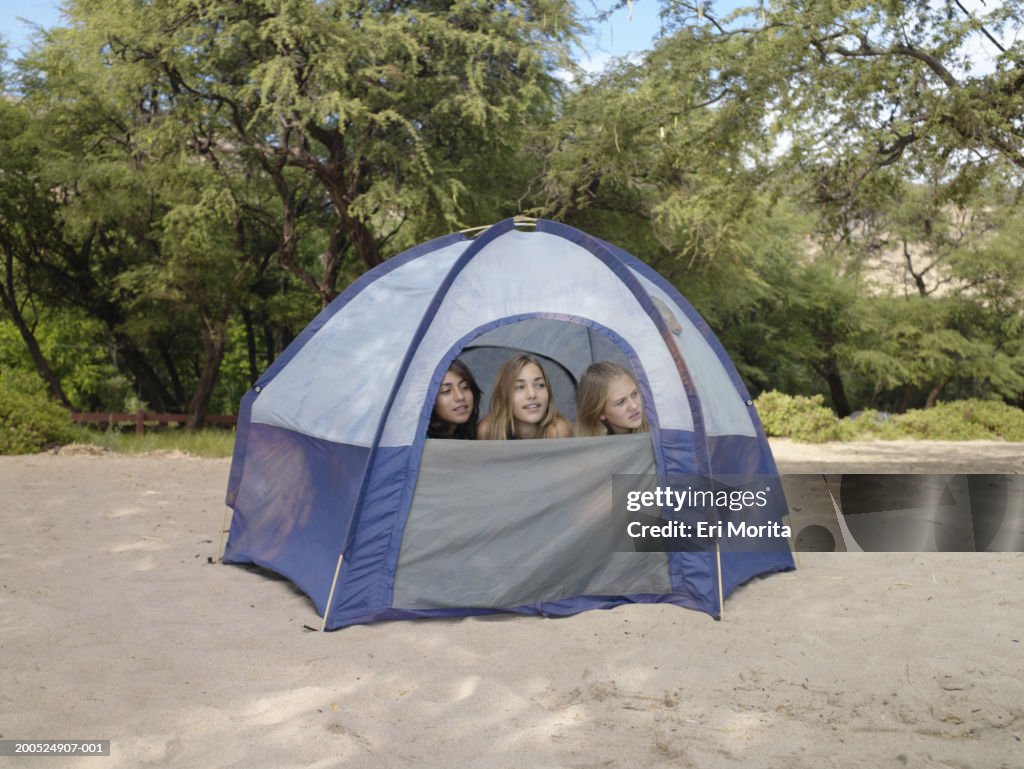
x=721, y=593
x=330, y=596
x=792, y=541
x=219, y=555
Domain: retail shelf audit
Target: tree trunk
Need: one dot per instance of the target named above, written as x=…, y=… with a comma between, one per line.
x=214, y=335
x=908, y=393
x=365, y=244
x=152, y=390
x=45, y=372
x=922, y=290
x=288, y=236
x=838, y=392
x=172, y=372
x=330, y=260
x=270, y=351
x=873, y=403
x=933, y=395
x=829, y=370
x=250, y=345
x=10, y=303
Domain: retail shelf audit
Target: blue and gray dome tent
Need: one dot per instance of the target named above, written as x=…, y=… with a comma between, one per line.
x=335, y=486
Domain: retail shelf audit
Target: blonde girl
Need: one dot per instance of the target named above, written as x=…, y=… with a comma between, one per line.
x=609, y=402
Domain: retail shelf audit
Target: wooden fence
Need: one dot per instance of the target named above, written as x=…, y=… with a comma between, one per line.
x=140, y=418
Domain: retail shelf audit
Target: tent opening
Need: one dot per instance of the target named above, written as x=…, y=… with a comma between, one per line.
x=562, y=347
x=495, y=523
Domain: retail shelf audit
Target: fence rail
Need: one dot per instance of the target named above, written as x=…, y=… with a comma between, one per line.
x=141, y=417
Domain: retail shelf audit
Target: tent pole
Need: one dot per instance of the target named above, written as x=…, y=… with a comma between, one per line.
x=223, y=530
x=792, y=543
x=721, y=593
x=330, y=596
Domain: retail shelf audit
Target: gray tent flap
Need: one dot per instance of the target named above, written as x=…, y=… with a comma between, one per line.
x=548, y=531
x=568, y=343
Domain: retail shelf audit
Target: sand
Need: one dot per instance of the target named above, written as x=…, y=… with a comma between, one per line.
x=900, y=457
x=115, y=625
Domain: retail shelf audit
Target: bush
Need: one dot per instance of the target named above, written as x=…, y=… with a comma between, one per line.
x=212, y=442
x=807, y=419
x=960, y=421
x=797, y=417
x=29, y=420
x=867, y=425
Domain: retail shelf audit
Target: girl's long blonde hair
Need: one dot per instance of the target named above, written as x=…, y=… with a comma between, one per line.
x=592, y=395
x=501, y=425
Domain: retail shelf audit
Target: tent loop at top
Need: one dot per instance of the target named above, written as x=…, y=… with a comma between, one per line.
x=521, y=222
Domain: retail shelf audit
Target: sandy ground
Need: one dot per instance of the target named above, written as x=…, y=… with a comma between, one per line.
x=114, y=625
x=900, y=457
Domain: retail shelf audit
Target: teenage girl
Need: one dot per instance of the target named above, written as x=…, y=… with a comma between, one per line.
x=521, y=405
x=457, y=407
x=609, y=402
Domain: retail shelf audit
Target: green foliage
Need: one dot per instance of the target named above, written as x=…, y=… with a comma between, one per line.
x=831, y=186
x=383, y=115
x=234, y=380
x=798, y=417
x=858, y=87
x=867, y=425
x=173, y=166
x=640, y=139
x=184, y=184
x=77, y=351
x=211, y=443
x=808, y=420
x=964, y=420
x=30, y=421
x=792, y=331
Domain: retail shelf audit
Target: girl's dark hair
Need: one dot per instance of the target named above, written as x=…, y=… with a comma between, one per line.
x=438, y=428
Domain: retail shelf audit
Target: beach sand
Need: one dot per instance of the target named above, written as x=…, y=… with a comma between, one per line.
x=114, y=624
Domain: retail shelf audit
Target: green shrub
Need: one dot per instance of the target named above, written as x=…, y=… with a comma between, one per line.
x=960, y=421
x=29, y=420
x=809, y=420
x=213, y=442
x=797, y=417
x=868, y=425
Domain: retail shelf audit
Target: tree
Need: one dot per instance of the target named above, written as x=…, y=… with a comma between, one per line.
x=183, y=144
x=874, y=84
x=870, y=118
x=382, y=106
x=28, y=228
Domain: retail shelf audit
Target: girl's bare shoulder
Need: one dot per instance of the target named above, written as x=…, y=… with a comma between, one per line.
x=560, y=428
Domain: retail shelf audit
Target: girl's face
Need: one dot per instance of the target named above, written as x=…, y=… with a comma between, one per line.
x=454, y=402
x=529, y=395
x=624, y=406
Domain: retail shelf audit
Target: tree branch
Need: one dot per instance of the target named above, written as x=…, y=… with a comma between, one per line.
x=980, y=26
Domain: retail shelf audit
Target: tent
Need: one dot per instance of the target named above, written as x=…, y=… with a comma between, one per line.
x=335, y=486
